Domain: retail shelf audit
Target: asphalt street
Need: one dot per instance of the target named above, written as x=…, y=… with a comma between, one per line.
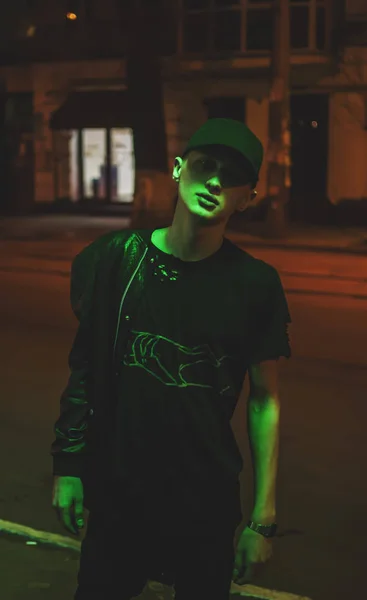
x=319, y=551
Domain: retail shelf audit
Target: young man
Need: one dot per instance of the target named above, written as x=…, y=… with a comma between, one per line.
x=170, y=322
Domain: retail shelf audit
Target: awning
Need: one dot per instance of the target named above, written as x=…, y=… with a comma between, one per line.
x=102, y=109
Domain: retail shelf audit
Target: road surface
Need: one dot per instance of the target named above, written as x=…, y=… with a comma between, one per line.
x=320, y=548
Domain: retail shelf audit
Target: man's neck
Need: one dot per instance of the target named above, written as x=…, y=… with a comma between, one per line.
x=190, y=241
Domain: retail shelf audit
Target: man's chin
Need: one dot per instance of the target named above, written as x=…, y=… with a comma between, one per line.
x=208, y=218
x=205, y=215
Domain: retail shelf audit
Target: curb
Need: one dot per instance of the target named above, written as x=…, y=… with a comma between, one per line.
x=61, y=541
x=39, y=536
x=258, y=593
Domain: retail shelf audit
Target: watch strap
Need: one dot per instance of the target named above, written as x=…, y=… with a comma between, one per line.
x=267, y=531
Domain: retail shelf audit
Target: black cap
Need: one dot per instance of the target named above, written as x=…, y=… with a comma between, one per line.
x=233, y=134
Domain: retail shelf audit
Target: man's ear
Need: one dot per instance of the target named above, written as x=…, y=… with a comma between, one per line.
x=249, y=200
x=177, y=167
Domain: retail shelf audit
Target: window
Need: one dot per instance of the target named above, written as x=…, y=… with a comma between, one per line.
x=308, y=24
x=227, y=30
x=122, y=164
x=94, y=153
x=237, y=26
x=300, y=26
x=259, y=29
x=92, y=171
x=196, y=32
x=320, y=28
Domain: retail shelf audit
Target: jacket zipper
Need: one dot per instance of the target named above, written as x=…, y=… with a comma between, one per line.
x=123, y=300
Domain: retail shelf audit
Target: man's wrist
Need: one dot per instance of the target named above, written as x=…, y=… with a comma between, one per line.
x=268, y=531
x=263, y=518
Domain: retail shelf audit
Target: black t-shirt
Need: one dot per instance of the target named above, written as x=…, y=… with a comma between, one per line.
x=198, y=327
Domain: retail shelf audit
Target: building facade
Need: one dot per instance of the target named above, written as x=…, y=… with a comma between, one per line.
x=63, y=70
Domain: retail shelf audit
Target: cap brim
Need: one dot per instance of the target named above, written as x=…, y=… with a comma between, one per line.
x=236, y=153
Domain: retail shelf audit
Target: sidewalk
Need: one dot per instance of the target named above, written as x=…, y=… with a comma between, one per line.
x=84, y=227
x=313, y=238
x=30, y=570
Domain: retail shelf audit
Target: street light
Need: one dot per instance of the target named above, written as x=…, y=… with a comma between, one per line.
x=71, y=16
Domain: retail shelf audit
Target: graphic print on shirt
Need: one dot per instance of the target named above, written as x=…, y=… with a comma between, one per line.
x=150, y=352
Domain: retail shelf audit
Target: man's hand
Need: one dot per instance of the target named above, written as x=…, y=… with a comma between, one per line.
x=67, y=499
x=252, y=550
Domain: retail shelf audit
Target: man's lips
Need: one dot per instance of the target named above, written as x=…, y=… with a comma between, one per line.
x=209, y=198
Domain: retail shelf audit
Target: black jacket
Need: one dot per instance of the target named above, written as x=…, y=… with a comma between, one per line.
x=107, y=279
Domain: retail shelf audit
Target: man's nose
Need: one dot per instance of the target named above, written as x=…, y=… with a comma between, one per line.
x=214, y=184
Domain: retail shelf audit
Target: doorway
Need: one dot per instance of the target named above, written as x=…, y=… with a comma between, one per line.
x=101, y=165
x=309, y=154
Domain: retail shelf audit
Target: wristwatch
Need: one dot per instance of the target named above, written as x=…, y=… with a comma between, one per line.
x=267, y=531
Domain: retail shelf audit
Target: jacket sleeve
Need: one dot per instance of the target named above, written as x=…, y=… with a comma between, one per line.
x=69, y=447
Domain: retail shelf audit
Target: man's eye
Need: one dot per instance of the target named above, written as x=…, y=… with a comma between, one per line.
x=207, y=164
x=236, y=176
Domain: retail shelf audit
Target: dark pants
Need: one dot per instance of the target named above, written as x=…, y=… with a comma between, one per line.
x=121, y=552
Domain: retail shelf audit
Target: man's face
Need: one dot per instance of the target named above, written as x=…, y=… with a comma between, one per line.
x=220, y=172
